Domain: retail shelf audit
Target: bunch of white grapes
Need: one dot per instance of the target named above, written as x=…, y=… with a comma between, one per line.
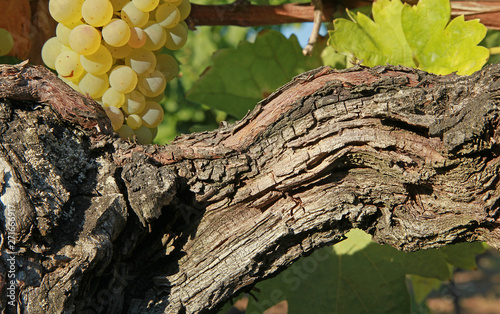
x=110, y=51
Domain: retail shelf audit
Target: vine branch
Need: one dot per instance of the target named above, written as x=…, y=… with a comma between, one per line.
x=410, y=157
x=255, y=15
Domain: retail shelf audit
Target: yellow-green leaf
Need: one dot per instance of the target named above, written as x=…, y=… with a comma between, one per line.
x=375, y=42
x=419, y=36
x=441, y=47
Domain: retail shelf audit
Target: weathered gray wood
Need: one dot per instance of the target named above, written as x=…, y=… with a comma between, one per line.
x=104, y=225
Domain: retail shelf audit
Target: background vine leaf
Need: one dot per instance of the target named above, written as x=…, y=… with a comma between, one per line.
x=419, y=36
x=377, y=41
x=441, y=47
x=241, y=77
x=360, y=276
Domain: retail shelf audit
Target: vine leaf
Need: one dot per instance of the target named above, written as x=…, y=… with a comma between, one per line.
x=377, y=41
x=359, y=276
x=420, y=36
x=241, y=77
x=441, y=47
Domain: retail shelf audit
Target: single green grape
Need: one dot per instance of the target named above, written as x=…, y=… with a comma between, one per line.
x=116, y=33
x=123, y=79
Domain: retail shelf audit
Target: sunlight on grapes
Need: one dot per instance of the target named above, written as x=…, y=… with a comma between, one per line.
x=113, y=50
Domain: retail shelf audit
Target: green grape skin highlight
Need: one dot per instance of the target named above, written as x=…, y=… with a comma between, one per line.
x=146, y=5
x=134, y=102
x=134, y=121
x=156, y=36
x=66, y=11
x=50, y=51
x=97, y=12
x=123, y=79
x=137, y=37
x=133, y=16
x=94, y=85
x=116, y=117
x=167, y=15
x=113, y=98
x=176, y=36
x=152, y=84
x=68, y=65
x=152, y=114
x=116, y=33
x=84, y=39
x=142, y=61
x=99, y=62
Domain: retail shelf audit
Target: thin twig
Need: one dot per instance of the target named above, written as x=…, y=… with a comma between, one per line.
x=318, y=13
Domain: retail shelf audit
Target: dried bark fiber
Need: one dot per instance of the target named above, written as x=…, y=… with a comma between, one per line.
x=104, y=225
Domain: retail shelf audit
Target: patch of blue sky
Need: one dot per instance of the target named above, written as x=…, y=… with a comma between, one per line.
x=301, y=30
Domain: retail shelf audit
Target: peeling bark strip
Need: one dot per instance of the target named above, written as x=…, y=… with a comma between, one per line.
x=411, y=158
x=39, y=84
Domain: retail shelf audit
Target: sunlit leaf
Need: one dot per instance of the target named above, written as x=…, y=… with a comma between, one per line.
x=419, y=36
x=377, y=41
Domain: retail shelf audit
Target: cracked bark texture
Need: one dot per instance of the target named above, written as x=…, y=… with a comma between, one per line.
x=98, y=224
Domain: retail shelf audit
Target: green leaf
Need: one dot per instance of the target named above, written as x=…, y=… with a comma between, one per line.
x=492, y=40
x=419, y=22
x=377, y=41
x=332, y=58
x=241, y=77
x=463, y=255
x=421, y=286
x=451, y=49
x=356, y=276
x=418, y=36
x=9, y=60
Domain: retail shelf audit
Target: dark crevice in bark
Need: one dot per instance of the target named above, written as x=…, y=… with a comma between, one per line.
x=404, y=125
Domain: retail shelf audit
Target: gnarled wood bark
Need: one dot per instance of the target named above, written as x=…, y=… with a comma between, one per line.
x=93, y=223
